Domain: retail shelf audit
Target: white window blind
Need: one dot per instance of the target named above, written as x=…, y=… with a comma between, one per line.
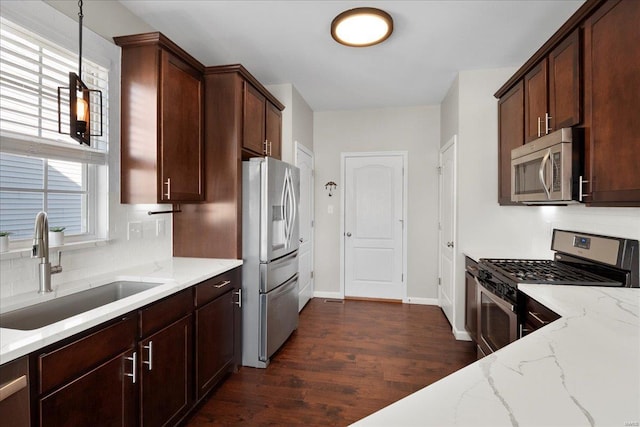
x=41, y=169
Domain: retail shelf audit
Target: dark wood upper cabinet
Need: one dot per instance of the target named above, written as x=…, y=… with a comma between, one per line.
x=590, y=70
x=162, y=128
x=565, y=101
x=552, y=90
x=612, y=104
x=253, y=120
x=239, y=116
x=510, y=136
x=273, y=130
x=535, y=102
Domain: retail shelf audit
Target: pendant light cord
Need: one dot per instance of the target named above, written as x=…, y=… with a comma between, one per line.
x=80, y=16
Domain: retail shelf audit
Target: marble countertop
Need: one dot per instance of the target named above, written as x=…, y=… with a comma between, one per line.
x=581, y=370
x=174, y=275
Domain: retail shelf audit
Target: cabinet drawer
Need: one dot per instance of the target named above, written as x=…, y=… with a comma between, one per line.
x=216, y=286
x=537, y=315
x=165, y=312
x=72, y=360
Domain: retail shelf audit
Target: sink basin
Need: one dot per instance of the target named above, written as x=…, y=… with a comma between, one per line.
x=46, y=313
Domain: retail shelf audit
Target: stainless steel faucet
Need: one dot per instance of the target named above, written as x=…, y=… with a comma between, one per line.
x=41, y=250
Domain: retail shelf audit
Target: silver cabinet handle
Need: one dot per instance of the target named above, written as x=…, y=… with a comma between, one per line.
x=541, y=171
x=150, y=361
x=239, y=302
x=12, y=387
x=535, y=316
x=547, y=120
x=134, y=359
x=539, y=126
x=581, y=183
x=265, y=150
x=222, y=285
x=168, y=184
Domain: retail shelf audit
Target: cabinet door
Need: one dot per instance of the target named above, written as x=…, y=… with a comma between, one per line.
x=253, y=137
x=165, y=372
x=180, y=153
x=564, y=83
x=215, y=332
x=535, y=101
x=612, y=104
x=14, y=392
x=274, y=130
x=510, y=136
x=104, y=396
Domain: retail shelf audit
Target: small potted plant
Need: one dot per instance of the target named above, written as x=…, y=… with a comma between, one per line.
x=4, y=241
x=56, y=236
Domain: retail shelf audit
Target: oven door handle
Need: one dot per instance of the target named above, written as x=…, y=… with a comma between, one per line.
x=494, y=298
x=541, y=173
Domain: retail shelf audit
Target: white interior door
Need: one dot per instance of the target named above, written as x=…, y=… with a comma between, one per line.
x=304, y=161
x=447, y=214
x=373, y=226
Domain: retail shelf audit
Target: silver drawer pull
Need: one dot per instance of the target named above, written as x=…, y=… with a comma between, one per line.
x=535, y=316
x=12, y=387
x=150, y=361
x=222, y=285
x=134, y=359
x=239, y=302
x=168, y=184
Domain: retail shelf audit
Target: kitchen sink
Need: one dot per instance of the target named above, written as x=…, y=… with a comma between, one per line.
x=46, y=313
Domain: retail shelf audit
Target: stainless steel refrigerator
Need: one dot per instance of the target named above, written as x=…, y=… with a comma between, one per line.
x=270, y=194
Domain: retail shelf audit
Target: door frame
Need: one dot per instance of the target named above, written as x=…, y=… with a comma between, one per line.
x=307, y=151
x=453, y=144
x=343, y=195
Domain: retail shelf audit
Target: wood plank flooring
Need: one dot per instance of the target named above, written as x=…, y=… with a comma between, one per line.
x=346, y=360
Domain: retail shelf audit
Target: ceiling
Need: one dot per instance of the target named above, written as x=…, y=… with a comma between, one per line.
x=288, y=41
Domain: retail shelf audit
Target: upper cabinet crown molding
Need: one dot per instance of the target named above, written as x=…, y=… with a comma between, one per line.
x=571, y=24
x=159, y=39
x=246, y=75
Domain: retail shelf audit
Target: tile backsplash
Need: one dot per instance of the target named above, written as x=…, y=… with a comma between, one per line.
x=148, y=240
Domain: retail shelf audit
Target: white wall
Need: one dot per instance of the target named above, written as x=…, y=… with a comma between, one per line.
x=19, y=275
x=412, y=129
x=484, y=227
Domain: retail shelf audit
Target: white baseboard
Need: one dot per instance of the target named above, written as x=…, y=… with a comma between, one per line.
x=461, y=335
x=421, y=301
x=332, y=295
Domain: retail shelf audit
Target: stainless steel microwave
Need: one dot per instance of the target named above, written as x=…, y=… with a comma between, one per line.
x=549, y=169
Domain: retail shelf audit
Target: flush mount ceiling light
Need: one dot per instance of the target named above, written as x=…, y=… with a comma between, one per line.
x=361, y=27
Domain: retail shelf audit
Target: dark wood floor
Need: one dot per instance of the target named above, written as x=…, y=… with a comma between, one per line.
x=346, y=360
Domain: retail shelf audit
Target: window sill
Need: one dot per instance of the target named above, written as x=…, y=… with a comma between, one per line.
x=71, y=246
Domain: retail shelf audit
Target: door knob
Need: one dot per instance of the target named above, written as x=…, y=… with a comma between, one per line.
x=301, y=240
x=348, y=234
x=449, y=244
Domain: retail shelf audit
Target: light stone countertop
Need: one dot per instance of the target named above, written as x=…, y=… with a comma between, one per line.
x=175, y=274
x=581, y=370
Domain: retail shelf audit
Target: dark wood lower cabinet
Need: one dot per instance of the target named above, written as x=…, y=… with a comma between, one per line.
x=103, y=396
x=165, y=374
x=215, y=342
x=14, y=394
x=137, y=370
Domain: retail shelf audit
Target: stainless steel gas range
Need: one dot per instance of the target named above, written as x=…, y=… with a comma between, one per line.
x=581, y=259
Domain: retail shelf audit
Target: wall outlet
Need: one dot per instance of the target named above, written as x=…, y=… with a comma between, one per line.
x=134, y=230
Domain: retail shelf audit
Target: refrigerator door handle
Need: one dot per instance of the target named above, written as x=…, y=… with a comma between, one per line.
x=293, y=206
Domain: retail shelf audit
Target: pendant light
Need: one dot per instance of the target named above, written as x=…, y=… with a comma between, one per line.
x=80, y=123
x=361, y=27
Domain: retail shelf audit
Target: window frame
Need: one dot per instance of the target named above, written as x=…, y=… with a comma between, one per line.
x=60, y=30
